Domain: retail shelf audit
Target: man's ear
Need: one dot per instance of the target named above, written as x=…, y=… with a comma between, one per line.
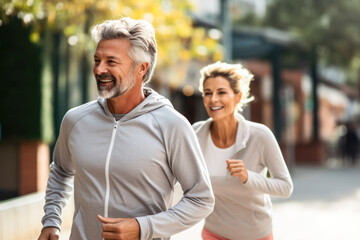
x=143, y=67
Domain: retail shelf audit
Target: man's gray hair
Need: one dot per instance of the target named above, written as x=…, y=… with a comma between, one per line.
x=141, y=35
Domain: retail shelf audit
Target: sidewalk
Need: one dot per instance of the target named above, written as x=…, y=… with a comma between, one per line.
x=325, y=204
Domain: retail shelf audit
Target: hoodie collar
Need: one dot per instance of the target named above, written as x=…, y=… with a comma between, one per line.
x=152, y=101
x=242, y=134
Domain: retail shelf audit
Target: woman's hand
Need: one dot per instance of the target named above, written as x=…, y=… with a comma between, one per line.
x=238, y=169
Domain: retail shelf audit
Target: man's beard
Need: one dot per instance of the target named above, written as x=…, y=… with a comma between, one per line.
x=118, y=89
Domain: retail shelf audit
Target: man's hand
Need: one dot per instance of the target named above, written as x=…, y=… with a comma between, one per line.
x=120, y=228
x=49, y=233
x=238, y=169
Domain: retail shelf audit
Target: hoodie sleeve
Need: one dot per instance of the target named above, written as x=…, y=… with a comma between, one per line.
x=280, y=183
x=59, y=186
x=188, y=166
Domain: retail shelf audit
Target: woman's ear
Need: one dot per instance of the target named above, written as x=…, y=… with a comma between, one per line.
x=238, y=97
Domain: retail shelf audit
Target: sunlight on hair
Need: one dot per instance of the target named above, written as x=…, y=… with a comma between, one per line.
x=188, y=90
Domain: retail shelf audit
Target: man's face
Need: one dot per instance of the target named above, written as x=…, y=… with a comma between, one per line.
x=113, y=68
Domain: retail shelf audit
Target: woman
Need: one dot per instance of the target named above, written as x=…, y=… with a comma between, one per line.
x=239, y=154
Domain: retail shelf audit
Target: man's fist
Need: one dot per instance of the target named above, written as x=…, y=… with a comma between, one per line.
x=120, y=228
x=49, y=233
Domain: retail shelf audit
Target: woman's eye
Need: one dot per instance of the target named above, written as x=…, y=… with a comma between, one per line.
x=222, y=92
x=207, y=94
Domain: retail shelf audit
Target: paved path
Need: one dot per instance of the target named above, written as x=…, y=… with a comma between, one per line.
x=325, y=205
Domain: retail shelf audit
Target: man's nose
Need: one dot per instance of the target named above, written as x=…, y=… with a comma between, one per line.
x=100, y=68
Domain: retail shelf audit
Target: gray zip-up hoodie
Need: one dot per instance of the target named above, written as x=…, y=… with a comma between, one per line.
x=128, y=168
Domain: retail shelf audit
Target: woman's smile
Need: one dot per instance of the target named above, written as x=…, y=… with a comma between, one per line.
x=216, y=108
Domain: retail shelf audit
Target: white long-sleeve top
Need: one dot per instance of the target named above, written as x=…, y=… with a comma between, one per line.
x=244, y=211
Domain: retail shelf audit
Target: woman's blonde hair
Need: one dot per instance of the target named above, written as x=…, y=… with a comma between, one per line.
x=238, y=77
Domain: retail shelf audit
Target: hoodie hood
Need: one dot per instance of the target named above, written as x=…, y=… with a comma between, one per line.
x=152, y=101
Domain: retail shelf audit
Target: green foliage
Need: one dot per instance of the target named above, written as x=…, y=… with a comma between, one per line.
x=331, y=25
x=249, y=19
x=20, y=82
x=75, y=18
x=33, y=64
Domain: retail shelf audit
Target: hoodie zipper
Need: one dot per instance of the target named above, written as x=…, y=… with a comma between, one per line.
x=107, y=163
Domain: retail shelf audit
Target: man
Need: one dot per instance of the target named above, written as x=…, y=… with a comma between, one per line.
x=125, y=151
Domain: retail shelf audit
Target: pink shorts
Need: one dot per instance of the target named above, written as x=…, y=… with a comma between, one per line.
x=207, y=235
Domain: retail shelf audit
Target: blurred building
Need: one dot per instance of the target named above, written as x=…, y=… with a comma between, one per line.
x=301, y=102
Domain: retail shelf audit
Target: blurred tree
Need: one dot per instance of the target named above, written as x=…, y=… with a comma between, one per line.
x=330, y=26
x=74, y=19
x=20, y=82
x=59, y=33
x=60, y=30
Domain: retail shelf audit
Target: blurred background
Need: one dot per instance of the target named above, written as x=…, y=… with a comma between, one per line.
x=304, y=54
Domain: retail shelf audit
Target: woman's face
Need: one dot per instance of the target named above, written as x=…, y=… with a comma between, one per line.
x=219, y=99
